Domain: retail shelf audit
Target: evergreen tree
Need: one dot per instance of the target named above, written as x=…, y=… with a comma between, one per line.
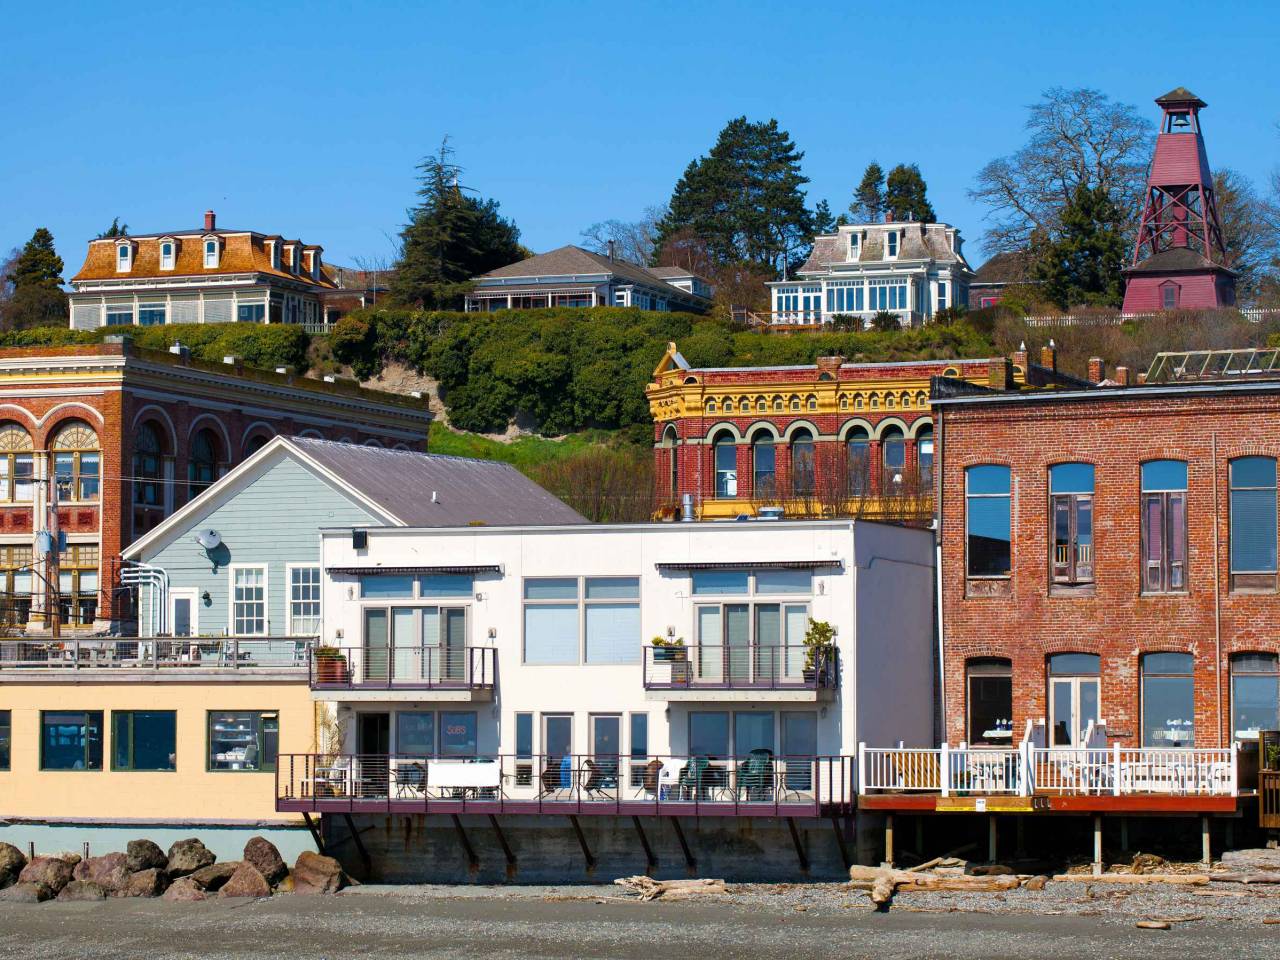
x=823, y=221
x=117, y=229
x=868, y=199
x=35, y=284
x=744, y=200
x=451, y=238
x=1081, y=264
x=904, y=195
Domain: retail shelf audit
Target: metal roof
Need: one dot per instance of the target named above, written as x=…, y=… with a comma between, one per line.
x=461, y=568
x=751, y=565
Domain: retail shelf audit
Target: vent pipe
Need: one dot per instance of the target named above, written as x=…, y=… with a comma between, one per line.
x=686, y=508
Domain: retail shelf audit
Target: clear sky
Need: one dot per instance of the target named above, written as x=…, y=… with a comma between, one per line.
x=307, y=120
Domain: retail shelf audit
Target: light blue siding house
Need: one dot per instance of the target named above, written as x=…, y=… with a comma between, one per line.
x=243, y=558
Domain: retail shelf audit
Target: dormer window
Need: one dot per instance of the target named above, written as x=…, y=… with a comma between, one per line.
x=293, y=259
x=275, y=254
x=124, y=257
x=211, y=253
x=853, y=246
x=891, y=245
x=315, y=265
x=167, y=254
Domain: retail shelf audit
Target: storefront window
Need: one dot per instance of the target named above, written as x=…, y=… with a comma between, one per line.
x=458, y=734
x=71, y=740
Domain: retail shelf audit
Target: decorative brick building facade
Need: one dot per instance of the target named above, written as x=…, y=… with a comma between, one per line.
x=1109, y=555
x=824, y=439
x=118, y=437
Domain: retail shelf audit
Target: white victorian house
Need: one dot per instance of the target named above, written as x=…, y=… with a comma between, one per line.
x=910, y=269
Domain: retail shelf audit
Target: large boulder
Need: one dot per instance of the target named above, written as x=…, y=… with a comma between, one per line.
x=54, y=872
x=212, y=877
x=184, y=890
x=264, y=857
x=82, y=890
x=144, y=883
x=313, y=873
x=110, y=871
x=145, y=855
x=24, y=892
x=12, y=860
x=247, y=881
x=188, y=856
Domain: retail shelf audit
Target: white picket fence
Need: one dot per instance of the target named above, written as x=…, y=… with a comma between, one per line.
x=1026, y=770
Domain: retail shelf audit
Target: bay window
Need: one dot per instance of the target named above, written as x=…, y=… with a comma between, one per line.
x=1164, y=526
x=988, y=526
x=1253, y=523
x=1168, y=700
x=1071, y=512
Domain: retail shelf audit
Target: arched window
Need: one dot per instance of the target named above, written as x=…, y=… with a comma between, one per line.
x=893, y=454
x=148, y=466
x=726, y=460
x=16, y=464
x=989, y=682
x=924, y=457
x=859, y=461
x=1253, y=523
x=256, y=443
x=802, y=477
x=1071, y=517
x=1168, y=700
x=211, y=254
x=77, y=462
x=764, y=463
x=671, y=442
x=202, y=466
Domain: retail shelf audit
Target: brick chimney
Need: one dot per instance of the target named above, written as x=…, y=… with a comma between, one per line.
x=210, y=221
x=1000, y=373
x=1122, y=376
x=1020, y=356
x=888, y=216
x=1097, y=370
x=1049, y=356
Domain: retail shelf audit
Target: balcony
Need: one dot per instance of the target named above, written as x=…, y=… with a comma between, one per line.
x=759, y=785
x=770, y=673
x=382, y=672
x=152, y=659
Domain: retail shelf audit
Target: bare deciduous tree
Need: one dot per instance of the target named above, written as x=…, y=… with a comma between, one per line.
x=633, y=240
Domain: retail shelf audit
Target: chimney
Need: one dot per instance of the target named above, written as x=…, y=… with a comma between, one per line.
x=181, y=351
x=1097, y=370
x=1000, y=374
x=1049, y=356
x=1122, y=376
x=1020, y=356
x=210, y=221
x=612, y=250
x=888, y=216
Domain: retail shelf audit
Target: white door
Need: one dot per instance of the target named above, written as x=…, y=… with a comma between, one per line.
x=184, y=616
x=1073, y=705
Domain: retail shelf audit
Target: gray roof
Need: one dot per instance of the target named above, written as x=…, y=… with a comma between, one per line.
x=920, y=241
x=1009, y=267
x=575, y=261
x=467, y=492
x=1176, y=260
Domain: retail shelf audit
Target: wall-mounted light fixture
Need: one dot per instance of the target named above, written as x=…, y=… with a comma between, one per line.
x=493, y=633
x=208, y=600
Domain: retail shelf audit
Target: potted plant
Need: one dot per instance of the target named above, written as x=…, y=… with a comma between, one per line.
x=1273, y=756
x=330, y=665
x=819, y=643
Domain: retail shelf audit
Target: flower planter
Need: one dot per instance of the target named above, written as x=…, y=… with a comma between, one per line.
x=331, y=670
x=670, y=654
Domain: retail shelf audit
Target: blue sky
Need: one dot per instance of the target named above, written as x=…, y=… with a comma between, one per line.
x=308, y=120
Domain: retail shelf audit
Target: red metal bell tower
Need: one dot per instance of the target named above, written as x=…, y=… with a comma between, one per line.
x=1179, y=260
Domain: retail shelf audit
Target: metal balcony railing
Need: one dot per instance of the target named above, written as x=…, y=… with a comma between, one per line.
x=417, y=667
x=731, y=667
x=154, y=653
x=759, y=784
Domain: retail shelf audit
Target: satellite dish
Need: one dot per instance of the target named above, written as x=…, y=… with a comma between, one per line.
x=209, y=539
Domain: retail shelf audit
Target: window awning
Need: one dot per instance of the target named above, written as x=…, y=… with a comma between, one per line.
x=751, y=565
x=457, y=568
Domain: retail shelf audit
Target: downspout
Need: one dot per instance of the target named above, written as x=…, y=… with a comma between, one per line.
x=939, y=453
x=1217, y=600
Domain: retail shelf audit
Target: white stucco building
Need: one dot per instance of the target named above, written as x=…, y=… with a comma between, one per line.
x=909, y=269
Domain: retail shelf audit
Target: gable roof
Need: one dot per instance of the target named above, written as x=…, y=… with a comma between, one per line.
x=1012, y=266
x=401, y=488
x=571, y=260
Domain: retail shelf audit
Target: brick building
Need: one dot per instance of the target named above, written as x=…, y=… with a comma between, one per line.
x=824, y=439
x=128, y=435
x=1109, y=555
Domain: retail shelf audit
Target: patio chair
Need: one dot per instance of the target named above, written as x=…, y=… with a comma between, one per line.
x=556, y=777
x=649, y=779
x=599, y=780
x=692, y=778
x=410, y=779
x=755, y=776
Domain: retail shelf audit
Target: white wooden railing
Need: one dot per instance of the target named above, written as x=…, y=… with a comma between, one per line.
x=1027, y=770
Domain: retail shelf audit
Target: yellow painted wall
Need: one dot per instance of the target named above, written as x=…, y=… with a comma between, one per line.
x=188, y=793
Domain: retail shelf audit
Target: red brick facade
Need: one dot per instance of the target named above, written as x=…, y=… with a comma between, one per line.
x=117, y=392
x=1026, y=618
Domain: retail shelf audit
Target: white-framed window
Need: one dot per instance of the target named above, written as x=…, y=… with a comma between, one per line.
x=124, y=257
x=891, y=245
x=571, y=620
x=210, y=253
x=275, y=254
x=853, y=245
x=750, y=626
x=166, y=254
x=304, y=599
x=315, y=264
x=248, y=601
x=942, y=294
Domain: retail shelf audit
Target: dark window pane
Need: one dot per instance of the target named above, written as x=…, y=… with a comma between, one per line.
x=1168, y=712
x=989, y=536
x=1168, y=663
x=1074, y=663
x=1255, y=704
x=1255, y=663
x=1071, y=478
x=1164, y=475
x=71, y=741
x=990, y=707
x=1253, y=472
x=752, y=731
x=1253, y=531
x=416, y=733
x=458, y=734
x=988, y=478
x=524, y=735
x=639, y=735
x=708, y=734
x=6, y=736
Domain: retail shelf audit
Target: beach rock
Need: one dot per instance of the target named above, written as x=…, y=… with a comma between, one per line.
x=286, y=884
x=212, y=877
x=989, y=870
x=314, y=873
x=54, y=872
x=68, y=857
x=184, y=890
x=145, y=855
x=247, y=881
x=26, y=892
x=188, y=856
x=264, y=857
x=144, y=883
x=110, y=871
x=12, y=860
x=1035, y=883
x=82, y=890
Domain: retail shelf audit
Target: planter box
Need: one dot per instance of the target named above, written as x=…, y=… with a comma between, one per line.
x=331, y=670
x=670, y=654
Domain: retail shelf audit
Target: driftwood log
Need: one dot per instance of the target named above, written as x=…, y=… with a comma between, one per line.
x=1177, y=879
x=883, y=882
x=651, y=889
x=1245, y=877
